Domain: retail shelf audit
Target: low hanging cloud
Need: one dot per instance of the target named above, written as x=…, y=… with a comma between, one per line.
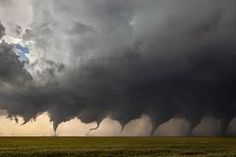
x=232, y=128
x=173, y=127
x=164, y=59
x=138, y=127
x=209, y=126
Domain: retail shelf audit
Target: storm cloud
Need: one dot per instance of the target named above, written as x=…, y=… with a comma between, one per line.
x=128, y=58
x=2, y=30
x=12, y=70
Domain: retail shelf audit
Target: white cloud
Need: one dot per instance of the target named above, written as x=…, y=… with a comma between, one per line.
x=15, y=12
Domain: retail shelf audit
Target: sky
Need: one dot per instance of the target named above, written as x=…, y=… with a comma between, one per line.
x=117, y=68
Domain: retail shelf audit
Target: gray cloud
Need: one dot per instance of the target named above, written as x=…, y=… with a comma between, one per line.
x=2, y=30
x=209, y=126
x=173, y=127
x=11, y=69
x=232, y=129
x=129, y=58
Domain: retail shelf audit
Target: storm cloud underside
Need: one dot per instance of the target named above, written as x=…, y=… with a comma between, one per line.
x=125, y=59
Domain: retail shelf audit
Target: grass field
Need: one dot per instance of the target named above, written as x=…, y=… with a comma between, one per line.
x=116, y=146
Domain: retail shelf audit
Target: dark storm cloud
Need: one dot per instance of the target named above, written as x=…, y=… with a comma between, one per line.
x=181, y=62
x=51, y=69
x=12, y=71
x=2, y=30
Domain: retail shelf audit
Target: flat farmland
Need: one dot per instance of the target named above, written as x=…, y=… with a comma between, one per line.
x=117, y=146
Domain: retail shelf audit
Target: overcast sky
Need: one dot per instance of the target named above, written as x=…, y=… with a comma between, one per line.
x=166, y=67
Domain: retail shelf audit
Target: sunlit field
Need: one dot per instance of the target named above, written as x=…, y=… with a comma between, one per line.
x=116, y=146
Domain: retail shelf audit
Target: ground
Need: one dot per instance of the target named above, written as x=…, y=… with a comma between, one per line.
x=117, y=146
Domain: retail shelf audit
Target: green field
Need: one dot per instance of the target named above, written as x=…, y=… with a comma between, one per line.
x=116, y=146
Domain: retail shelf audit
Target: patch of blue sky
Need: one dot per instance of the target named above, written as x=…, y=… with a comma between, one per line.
x=21, y=51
